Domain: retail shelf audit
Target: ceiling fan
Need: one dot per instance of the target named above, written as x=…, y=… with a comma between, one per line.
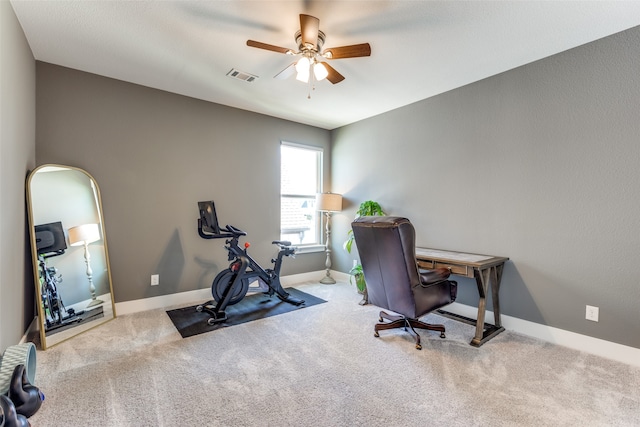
x=310, y=41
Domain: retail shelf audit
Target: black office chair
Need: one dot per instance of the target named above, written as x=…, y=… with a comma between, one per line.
x=386, y=245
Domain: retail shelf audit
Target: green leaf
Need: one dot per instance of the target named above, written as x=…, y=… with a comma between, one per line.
x=357, y=269
x=366, y=208
x=369, y=208
x=348, y=244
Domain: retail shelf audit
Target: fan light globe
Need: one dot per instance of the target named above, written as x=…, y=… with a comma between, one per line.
x=303, y=76
x=303, y=65
x=320, y=71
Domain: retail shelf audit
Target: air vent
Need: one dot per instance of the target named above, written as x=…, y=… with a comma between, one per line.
x=241, y=75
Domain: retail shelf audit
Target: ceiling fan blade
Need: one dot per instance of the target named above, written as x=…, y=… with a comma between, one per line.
x=309, y=27
x=351, y=51
x=286, y=73
x=270, y=47
x=333, y=76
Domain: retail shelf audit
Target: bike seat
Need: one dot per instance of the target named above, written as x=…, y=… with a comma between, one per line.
x=281, y=242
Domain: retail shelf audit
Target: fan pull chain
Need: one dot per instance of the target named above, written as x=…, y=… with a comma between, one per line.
x=312, y=87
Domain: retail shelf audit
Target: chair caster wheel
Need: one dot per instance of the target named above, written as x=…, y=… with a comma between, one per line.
x=211, y=321
x=376, y=334
x=442, y=335
x=418, y=346
x=380, y=320
x=199, y=308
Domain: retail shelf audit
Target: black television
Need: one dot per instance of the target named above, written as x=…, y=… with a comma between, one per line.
x=50, y=240
x=208, y=222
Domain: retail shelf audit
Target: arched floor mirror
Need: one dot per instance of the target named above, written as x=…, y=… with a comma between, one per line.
x=69, y=252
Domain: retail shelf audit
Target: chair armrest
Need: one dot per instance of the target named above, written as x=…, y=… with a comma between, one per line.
x=428, y=277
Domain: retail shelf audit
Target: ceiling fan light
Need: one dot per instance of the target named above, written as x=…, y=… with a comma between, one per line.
x=303, y=76
x=320, y=71
x=302, y=65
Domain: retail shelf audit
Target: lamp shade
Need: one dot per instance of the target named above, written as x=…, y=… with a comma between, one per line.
x=328, y=202
x=86, y=233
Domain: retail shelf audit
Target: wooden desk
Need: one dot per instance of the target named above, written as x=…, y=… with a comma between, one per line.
x=486, y=269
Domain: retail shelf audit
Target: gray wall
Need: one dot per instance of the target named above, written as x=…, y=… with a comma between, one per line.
x=154, y=156
x=17, y=157
x=540, y=164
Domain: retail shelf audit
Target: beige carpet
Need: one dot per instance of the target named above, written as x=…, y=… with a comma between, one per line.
x=322, y=366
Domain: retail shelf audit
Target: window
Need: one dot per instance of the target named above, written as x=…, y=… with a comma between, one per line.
x=300, y=180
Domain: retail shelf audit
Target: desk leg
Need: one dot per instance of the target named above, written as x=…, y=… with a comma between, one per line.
x=496, y=278
x=484, y=332
x=482, y=281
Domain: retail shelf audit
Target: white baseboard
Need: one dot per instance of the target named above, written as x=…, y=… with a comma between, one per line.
x=200, y=295
x=599, y=347
x=338, y=275
x=163, y=301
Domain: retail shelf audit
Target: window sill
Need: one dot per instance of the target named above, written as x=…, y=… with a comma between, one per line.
x=309, y=249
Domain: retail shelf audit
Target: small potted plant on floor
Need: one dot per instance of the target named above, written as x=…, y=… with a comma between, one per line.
x=367, y=208
x=358, y=275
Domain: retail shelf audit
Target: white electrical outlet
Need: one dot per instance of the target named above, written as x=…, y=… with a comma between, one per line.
x=592, y=313
x=155, y=279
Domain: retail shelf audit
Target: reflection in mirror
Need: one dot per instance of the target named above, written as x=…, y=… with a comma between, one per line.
x=69, y=249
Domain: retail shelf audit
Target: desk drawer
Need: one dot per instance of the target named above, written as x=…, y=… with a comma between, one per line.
x=427, y=265
x=460, y=270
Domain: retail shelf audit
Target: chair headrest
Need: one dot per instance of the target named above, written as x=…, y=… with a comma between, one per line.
x=380, y=221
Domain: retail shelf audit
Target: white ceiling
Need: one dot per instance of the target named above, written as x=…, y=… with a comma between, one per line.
x=419, y=48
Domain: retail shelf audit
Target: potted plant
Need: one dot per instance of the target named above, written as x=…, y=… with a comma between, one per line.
x=367, y=208
x=357, y=274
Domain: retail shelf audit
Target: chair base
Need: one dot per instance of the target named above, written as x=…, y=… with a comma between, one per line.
x=396, y=321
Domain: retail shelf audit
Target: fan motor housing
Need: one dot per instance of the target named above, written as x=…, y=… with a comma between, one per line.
x=319, y=43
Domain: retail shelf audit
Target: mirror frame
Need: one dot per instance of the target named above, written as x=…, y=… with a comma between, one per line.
x=34, y=253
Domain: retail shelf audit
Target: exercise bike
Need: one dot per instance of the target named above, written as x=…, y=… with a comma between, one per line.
x=50, y=243
x=232, y=284
x=51, y=301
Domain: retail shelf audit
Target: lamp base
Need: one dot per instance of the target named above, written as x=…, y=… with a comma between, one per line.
x=95, y=302
x=327, y=280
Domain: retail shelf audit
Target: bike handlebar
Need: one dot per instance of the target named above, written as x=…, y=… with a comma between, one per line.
x=230, y=230
x=235, y=231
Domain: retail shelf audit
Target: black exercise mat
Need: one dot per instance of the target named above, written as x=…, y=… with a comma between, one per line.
x=75, y=320
x=190, y=322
